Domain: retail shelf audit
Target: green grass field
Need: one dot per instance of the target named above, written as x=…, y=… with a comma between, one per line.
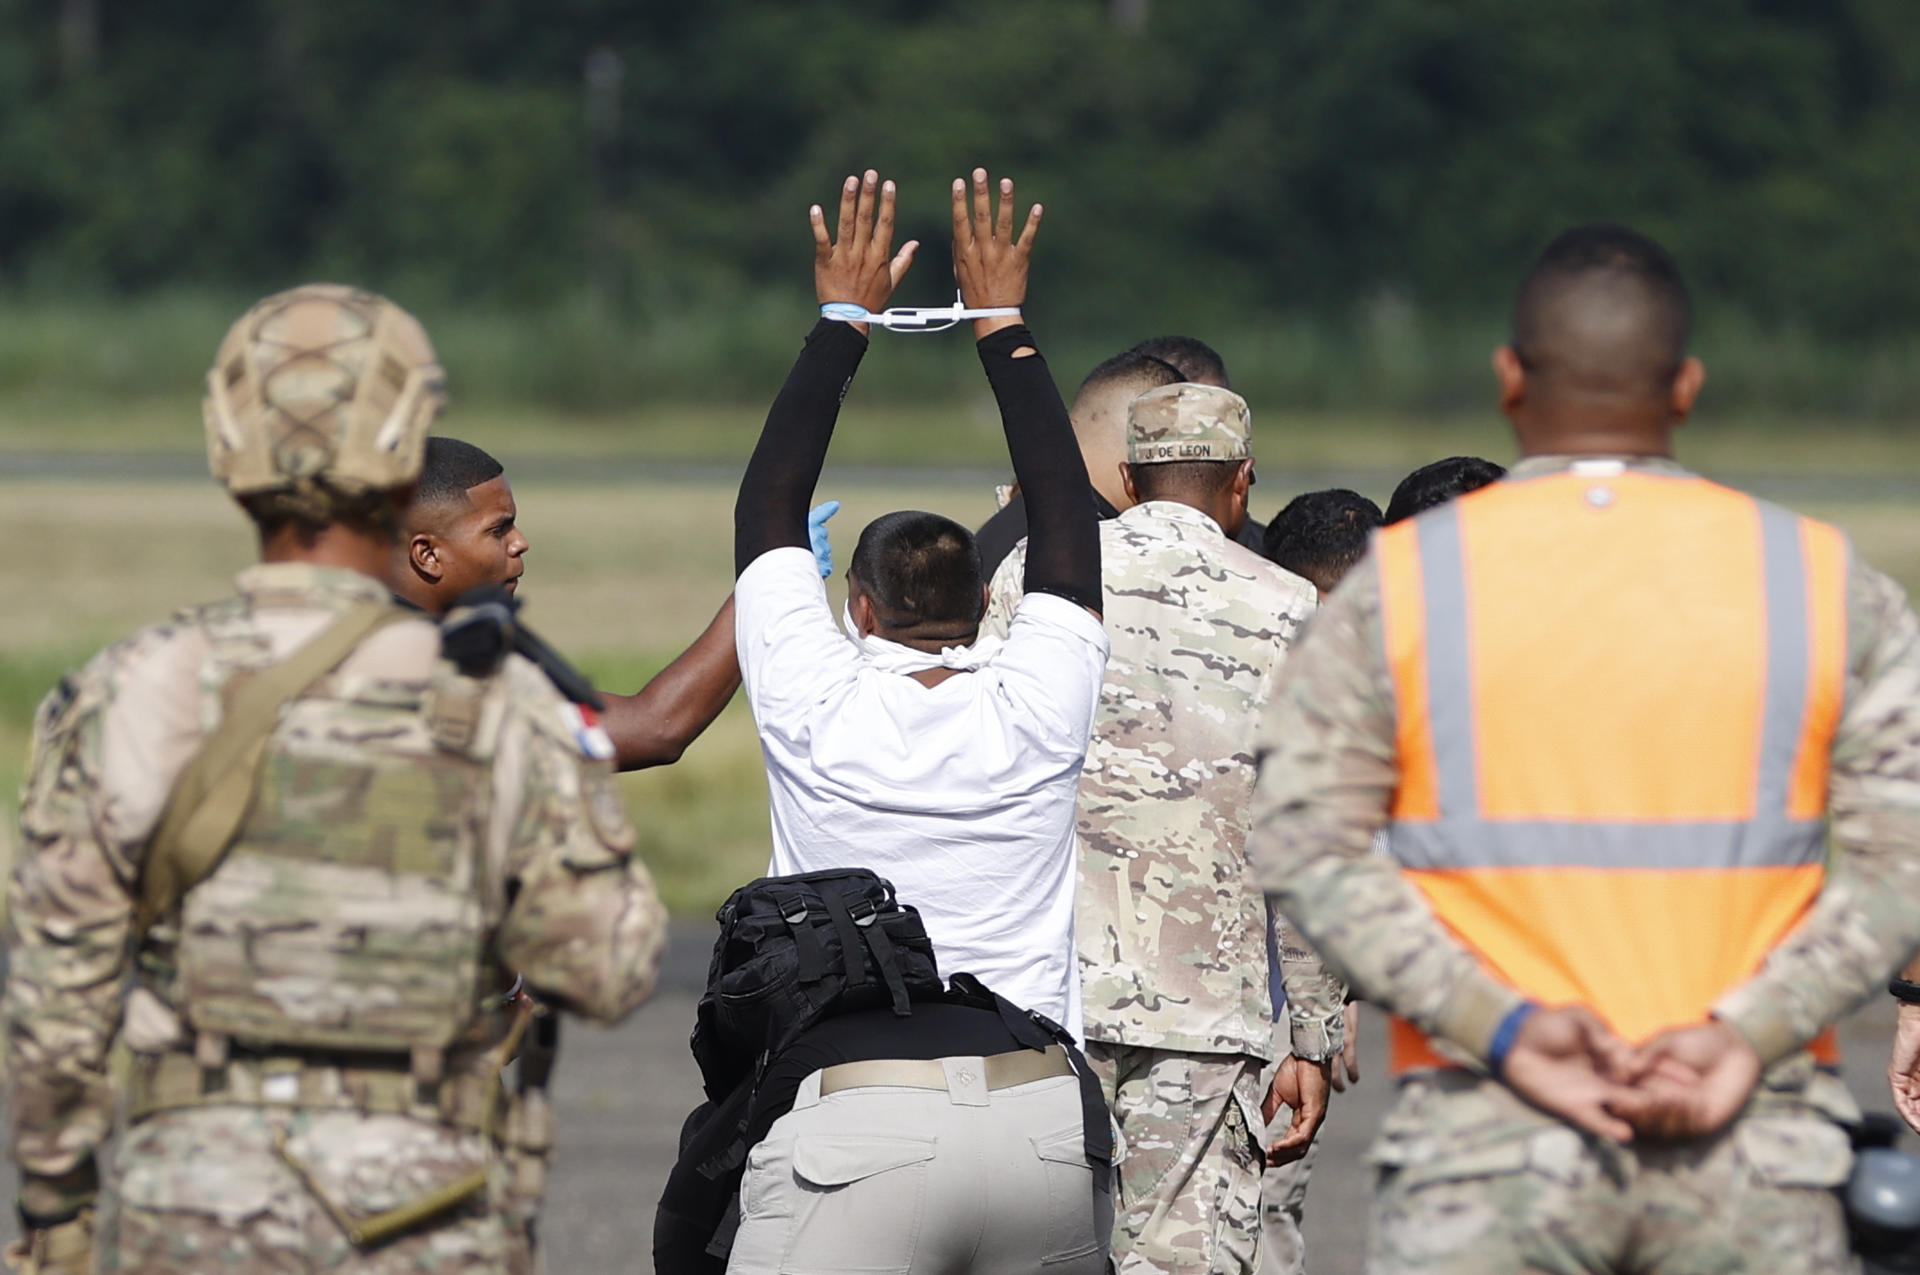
x=626, y=568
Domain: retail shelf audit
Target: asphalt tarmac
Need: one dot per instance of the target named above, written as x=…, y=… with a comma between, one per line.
x=620, y=1097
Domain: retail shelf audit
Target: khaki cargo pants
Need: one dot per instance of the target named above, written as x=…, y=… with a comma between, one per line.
x=1470, y=1179
x=1190, y=1181
x=899, y=1180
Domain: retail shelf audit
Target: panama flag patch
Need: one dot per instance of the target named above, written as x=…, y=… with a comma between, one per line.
x=588, y=733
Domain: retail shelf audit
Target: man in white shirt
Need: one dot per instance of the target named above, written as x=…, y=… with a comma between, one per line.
x=901, y=744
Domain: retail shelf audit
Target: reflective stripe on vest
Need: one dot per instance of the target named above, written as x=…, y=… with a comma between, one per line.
x=1616, y=699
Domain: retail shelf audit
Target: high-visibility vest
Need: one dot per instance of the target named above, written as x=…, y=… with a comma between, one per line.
x=1616, y=696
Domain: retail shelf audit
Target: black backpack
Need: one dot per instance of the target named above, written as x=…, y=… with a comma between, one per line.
x=792, y=950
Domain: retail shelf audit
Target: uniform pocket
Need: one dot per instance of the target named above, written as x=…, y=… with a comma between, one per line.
x=1074, y=1202
x=861, y=1197
x=1794, y=1151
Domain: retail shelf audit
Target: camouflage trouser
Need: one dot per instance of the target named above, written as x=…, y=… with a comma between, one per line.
x=1473, y=1180
x=1190, y=1184
x=1283, y=1202
x=203, y=1190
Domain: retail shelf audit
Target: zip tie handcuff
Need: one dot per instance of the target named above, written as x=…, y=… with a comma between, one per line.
x=914, y=318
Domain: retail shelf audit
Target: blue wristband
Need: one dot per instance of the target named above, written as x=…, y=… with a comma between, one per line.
x=1504, y=1035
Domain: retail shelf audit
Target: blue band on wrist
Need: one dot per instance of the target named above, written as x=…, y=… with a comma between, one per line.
x=1504, y=1035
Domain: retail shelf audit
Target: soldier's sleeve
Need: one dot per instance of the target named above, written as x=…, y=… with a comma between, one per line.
x=584, y=924
x=1316, y=997
x=1866, y=922
x=1327, y=777
x=69, y=924
x=1005, y=592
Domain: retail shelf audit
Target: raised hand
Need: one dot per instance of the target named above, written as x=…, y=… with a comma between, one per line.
x=989, y=263
x=1564, y=1061
x=1688, y=1081
x=858, y=264
x=1301, y=1085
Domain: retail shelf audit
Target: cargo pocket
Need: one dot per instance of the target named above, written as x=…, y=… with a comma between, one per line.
x=1074, y=1204
x=861, y=1202
x=1794, y=1151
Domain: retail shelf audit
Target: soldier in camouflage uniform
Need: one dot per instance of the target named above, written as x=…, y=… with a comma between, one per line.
x=317, y=1027
x=1172, y=932
x=1715, y=1145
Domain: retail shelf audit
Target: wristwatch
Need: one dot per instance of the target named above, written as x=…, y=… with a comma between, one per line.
x=1903, y=991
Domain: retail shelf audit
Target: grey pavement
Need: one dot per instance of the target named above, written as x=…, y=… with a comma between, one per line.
x=621, y=1095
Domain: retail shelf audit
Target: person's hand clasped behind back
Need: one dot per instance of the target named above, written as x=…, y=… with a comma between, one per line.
x=1688, y=1082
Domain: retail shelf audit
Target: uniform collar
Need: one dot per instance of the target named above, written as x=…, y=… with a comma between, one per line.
x=303, y=584
x=1171, y=511
x=1541, y=466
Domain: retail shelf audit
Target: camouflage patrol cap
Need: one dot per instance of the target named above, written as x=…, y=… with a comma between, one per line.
x=1188, y=422
x=323, y=382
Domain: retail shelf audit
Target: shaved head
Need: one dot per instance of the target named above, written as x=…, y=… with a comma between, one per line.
x=1099, y=415
x=1603, y=312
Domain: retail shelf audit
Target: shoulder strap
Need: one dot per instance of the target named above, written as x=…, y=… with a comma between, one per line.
x=212, y=794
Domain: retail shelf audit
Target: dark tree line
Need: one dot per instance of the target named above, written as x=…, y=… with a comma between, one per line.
x=1310, y=156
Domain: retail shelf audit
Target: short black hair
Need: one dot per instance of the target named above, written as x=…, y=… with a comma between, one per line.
x=922, y=568
x=452, y=466
x=1193, y=358
x=1191, y=482
x=1603, y=309
x=1440, y=482
x=1322, y=534
x=1131, y=367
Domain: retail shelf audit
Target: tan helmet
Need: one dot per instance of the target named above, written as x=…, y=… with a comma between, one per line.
x=322, y=382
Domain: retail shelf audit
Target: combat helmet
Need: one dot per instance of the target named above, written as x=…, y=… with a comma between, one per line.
x=321, y=388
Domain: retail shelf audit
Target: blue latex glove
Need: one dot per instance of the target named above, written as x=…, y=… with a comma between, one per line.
x=817, y=536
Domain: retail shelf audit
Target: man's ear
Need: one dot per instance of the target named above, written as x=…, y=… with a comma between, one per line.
x=423, y=555
x=1686, y=388
x=1512, y=378
x=860, y=607
x=1126, y=482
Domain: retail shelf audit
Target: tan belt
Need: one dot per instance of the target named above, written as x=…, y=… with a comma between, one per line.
x=167, y=1082
x=1004, y=1071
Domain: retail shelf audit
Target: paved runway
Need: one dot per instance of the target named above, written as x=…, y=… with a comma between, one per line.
x=621, y=1095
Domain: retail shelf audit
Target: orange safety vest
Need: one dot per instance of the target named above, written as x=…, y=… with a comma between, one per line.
x=1616, y=695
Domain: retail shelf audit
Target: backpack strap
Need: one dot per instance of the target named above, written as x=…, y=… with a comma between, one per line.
x=887, y=957
x=851, y=962
x=212, y=795
x=810, y=953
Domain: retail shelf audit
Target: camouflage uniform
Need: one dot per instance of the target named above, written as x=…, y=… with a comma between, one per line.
x=241, y=1154
x=1471, y=1179
x=1172, y=931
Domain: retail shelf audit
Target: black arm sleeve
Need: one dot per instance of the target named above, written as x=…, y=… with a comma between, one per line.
x=1063, y=536
x=771, y=512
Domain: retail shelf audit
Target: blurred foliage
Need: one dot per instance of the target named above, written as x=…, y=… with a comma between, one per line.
x=1334, y=189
